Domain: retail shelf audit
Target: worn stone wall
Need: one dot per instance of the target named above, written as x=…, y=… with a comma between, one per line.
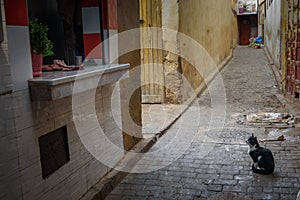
x=213, y=25
x=273, y=31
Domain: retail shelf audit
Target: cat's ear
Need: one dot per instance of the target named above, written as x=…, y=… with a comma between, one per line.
x=252, y=135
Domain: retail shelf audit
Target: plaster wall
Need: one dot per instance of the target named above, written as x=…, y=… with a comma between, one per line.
x=261, y=19
x=213, y=25
x=173, y=80
x=273, y=32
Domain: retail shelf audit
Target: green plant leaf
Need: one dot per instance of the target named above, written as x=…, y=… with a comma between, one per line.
x=39, y=40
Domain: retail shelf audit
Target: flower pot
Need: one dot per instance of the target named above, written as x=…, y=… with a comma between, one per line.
x=241, y=10
x=37, y=62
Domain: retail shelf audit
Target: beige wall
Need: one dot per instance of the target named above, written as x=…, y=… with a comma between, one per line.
x=173, y=81
x=132, y=120
x=213, y=25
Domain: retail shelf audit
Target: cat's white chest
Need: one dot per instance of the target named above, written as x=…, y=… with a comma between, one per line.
x=251, y=149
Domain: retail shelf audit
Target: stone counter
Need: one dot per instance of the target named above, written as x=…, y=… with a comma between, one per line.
x=59, y=84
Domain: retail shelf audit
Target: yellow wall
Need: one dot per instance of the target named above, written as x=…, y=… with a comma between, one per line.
x=131, y=114
x=211, y=23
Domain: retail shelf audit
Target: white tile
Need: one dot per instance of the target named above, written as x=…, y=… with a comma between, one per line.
x=19, y=56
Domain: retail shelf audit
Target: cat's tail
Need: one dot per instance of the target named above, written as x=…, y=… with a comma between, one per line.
x=261, y=171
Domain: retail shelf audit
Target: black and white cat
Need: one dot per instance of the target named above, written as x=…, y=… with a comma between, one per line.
x=262, y=157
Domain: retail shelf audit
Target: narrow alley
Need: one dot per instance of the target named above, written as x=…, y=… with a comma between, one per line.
x=149, y=99
x=216, y=165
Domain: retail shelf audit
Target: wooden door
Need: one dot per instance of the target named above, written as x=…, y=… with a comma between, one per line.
x=152, y=72
x=244, y=30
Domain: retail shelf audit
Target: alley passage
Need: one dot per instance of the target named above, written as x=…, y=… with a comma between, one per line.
x=216, y=164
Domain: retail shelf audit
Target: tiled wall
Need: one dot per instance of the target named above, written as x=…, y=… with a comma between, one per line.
x=23, y=121
x=17, y=32
x=6, y=84
x=34, y=119
x=10, y=187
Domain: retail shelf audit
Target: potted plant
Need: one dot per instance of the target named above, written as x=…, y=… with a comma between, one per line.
x=41, y=46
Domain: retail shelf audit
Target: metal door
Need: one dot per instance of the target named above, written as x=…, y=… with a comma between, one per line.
x=152, y=73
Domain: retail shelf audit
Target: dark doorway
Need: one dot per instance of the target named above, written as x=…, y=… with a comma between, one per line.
x=65, y=28
x=247, y=28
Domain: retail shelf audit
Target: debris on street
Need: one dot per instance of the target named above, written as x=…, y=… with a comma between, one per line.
x=256, y=43
x=280, y=138
x=271, y=119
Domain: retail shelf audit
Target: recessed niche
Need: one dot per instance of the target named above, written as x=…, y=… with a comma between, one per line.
x=54, y=151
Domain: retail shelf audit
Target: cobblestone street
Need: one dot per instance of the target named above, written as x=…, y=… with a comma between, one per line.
x=216, y=164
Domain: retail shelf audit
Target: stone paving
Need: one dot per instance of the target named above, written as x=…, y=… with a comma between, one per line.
x=199, y=158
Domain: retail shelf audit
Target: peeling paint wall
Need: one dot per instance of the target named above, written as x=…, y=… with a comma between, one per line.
x=173, y=81
x=284, y=12
x=292, y=51
x=273, y=31
x=212, y=25
x=261, y=18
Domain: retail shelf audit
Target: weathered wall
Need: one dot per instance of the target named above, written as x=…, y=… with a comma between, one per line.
x=292, y=51
x=173, y=81
x=284, y=13
x=131, y=113
x=10, y=187
x=261, y=18
x=213, y=25
x=273, y=31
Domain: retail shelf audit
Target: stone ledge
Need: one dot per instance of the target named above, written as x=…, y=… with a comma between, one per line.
x=59, y=84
